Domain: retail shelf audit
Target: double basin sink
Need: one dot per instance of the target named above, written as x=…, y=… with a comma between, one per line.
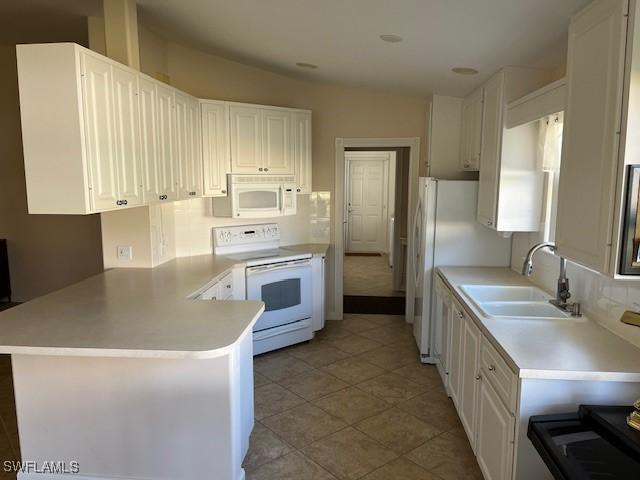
x=517, y=302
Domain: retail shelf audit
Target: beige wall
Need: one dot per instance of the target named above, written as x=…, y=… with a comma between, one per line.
x=46, y=252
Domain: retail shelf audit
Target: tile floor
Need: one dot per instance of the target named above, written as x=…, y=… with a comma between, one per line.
x=355, y=403
x=369, y=276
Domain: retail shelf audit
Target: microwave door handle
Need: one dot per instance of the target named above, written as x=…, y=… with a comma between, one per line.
x=281, y=199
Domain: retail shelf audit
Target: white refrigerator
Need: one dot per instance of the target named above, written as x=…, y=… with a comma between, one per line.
x=446, y=233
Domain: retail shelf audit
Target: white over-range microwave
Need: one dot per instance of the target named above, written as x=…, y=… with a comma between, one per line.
x=257, y=196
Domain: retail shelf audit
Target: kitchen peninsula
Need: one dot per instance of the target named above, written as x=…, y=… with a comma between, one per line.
x=126, y=375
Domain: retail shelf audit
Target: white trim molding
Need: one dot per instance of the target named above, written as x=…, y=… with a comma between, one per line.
x=414, y=161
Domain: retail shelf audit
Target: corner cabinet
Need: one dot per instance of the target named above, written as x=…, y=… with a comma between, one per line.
x=302, y=150
x=590, y=171
x=510, y=184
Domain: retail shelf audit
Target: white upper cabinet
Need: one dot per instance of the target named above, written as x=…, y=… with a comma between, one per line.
x=302, y=150
x=246, y=139
x=98, y=136
x=127, y=127
x=261, y=140
x=189, y=175
x=472, y=130
x=591, y=140
x=167, y=160
x=277, y=136
x=215, y=147
x=149, y=140
x=510, y=179
x=97, y=102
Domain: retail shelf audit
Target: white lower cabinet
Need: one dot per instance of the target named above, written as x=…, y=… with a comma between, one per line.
x=495, y=434
x=481, y=385
x=455, y=369
x=469, y=377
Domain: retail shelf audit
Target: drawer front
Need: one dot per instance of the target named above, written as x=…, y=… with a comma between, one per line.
x=497, y=372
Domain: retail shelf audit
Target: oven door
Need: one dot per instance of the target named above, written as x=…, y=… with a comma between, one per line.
x=285, y=289
x=257, y=201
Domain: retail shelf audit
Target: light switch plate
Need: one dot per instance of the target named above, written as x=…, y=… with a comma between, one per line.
x=125, y=252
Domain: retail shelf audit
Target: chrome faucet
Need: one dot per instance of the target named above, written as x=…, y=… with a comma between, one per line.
x=562, y=290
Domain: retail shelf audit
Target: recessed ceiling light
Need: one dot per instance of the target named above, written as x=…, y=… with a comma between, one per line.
x=391, y=38
x=464, y=71
x=309, y=66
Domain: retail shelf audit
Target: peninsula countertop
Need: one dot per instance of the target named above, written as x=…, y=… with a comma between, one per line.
x=548, y=349
x=132, y=313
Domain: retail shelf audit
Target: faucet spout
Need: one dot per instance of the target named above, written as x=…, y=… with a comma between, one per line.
x=527, y=267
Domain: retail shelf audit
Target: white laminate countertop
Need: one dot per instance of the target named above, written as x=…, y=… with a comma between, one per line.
x=135, y=312
x=563, y=349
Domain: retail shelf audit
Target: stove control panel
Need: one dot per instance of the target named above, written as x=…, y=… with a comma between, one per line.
x=246, y=234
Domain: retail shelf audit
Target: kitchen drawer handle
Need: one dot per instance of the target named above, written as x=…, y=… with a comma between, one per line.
x=118, y=202
x=260, y=169
x=478, y=377
x=492, y=368
x=162, y=197
x=124, y=202
x=223, y=191
x=460, y=315
x=266, y=169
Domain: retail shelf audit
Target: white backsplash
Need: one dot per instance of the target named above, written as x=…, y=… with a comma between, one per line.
x=194, y=221
x=602, y=298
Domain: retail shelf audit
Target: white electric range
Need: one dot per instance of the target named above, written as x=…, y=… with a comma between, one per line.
x=278, y=277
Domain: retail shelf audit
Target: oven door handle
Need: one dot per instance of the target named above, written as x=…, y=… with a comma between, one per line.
x=278, y=266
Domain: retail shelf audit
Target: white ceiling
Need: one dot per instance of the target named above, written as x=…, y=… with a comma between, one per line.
x=342, y=36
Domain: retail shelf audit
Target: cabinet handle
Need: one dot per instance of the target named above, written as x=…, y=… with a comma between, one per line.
x=266, y=169
x=228, y=286
x=162, y=197
x=298, y=190
x=124, y=202
x=460, y=315
x=223, y=191
x=118, y=202
x=260, y=169
x=492, y=368
x=478, y=377
x=466, y=165
x=490, y=223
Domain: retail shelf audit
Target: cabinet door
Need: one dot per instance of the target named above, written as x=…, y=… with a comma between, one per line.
x=277, y=152
x=127, y=126
x=182, y=144
x=302, y=152
x=149, y=139
x=496, y=431
x=246, y=139
x=166, y=143
x=586, y=199
x=97, y=102
x=215, y=147
x=194, y=158
x=455, y=367
x=492, y=124
x=469, y=378
x=475, y=133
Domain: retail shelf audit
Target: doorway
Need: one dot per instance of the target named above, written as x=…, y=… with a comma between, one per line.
x=375, y=213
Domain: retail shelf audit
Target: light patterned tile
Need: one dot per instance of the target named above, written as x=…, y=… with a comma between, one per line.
x=353, y=370
x=354, y=344
x=303, y=424
x=279, y=365
x=391, y=388
x=294, y=466
x=317, y=354
x=391, y=357
x=259, y=380
x=385, y=334
x=351, y=404
x=397, y=430
x=433, y=408
x=420, y=373
x=271, y=399
x=400, y=469
x=358, y=323
x=386, y=320
x=448, y=456
x=349, y=454
x=313, y=384
x=264, y=446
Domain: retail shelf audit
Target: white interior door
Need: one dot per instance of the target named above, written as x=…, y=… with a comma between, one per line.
x=367, y=204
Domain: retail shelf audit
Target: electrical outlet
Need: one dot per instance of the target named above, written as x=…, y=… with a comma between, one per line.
x=125, y=252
